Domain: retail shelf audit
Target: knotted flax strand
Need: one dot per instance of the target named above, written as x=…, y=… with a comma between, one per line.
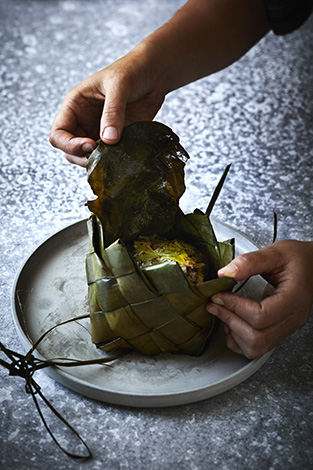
x=25, y=365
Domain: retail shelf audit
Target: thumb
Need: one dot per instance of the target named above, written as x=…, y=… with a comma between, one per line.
x=256, y=262
x=113, y=116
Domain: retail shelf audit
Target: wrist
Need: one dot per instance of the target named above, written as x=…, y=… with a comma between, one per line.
x=151, y=63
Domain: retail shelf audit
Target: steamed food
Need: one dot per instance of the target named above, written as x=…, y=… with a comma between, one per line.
x=150, y=267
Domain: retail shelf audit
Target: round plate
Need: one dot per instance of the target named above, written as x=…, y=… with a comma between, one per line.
x=51, y=287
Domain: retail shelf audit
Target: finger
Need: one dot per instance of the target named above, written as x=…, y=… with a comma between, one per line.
x=246, y=309
x=71, y=145
x=240, y=336
x=255, y=342
x=258, y=342
x=234, y=322
x=113, y=115
x=230, y=342
x=262, y=261
x=66, y=135
x=80, y=161
x=270, y=310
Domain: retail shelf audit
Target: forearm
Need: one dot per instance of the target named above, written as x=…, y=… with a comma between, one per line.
x=204, y=36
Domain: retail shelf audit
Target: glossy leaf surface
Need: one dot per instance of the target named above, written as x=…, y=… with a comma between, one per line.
x=138, y=181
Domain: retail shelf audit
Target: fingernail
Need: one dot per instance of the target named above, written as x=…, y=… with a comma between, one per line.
x=110, y=133
x=87, y=147
x=228, y=271
x=226, y=329
x=217, y=300
x=213, y=310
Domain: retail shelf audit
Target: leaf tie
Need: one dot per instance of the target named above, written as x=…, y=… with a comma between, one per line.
x=26, y=365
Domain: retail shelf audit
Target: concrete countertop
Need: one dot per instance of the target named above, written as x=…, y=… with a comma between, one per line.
x=258, y=115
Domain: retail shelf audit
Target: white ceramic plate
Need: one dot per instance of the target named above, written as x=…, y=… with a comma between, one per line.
x=51, y=287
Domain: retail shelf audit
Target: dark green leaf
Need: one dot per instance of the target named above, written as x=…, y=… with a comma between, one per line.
x=138, y=181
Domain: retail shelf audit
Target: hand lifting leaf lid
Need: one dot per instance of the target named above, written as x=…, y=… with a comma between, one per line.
x=152, y=302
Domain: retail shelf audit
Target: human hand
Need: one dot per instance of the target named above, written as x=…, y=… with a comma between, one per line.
x=201, y=38
x=253, y=328
x=127, y=91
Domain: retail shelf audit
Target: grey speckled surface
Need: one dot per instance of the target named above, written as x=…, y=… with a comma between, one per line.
x=258, y=115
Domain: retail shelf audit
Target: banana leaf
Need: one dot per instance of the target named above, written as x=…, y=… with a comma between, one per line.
x=151, y=308
x=138, y=182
